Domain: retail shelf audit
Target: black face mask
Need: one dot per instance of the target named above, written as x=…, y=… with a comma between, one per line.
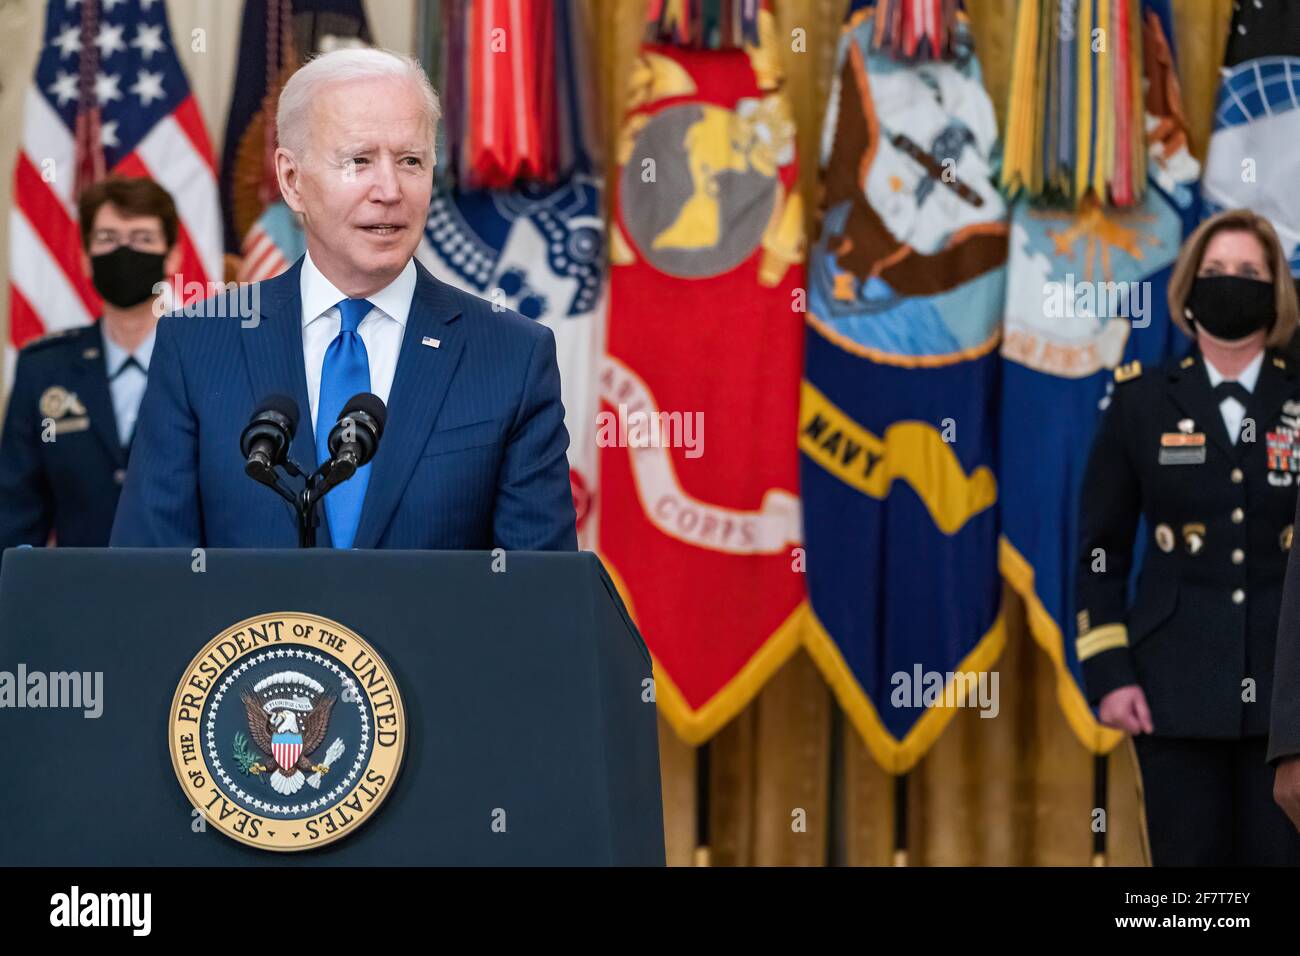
x=125, y=276
x=1232, y=307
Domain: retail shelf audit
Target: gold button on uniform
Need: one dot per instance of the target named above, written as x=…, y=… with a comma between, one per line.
x=1236, y=476
x=1164, y=538
x=1238, y=515
x=1238, y=596
x=1238, y=556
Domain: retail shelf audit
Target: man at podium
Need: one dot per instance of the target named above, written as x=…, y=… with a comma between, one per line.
x=473, y=451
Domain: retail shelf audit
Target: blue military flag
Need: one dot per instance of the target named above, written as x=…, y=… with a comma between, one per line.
x=1085, y=294
x=898, y=414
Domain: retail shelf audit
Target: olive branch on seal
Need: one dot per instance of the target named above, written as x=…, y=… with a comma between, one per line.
x=243, y=756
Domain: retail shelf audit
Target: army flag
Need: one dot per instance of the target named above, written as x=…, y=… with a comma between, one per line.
x=520, y=220
x=896, y=427
x=518, y=91
x=1085, y=293
x=1252, y=161
x=539, y=251
x=699, y=507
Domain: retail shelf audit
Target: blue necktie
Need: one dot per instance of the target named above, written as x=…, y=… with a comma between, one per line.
x=344, y=373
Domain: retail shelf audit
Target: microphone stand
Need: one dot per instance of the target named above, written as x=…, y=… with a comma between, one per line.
x=304, y=502
x=328, y=476
x=339, y=468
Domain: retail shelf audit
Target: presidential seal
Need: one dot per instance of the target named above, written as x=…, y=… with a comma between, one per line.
x=287, y=731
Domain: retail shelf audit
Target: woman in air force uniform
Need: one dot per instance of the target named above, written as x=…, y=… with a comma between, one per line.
x=1205, y=449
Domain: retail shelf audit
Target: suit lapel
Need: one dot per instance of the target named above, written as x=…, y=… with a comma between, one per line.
x=1192, y=393
x=273, y=352
x=91, y=387
x=420, y=384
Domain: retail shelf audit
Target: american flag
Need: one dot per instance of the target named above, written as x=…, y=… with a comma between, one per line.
x=109, y=96
x=272, y=244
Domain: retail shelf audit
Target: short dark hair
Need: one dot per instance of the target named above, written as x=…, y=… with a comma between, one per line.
x=131, y=196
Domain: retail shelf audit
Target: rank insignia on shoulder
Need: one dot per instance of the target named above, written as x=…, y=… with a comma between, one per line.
x=1128, y=371
x=1187, y=362
x=51, y=337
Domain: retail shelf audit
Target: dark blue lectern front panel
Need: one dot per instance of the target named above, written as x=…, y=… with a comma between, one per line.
x=531, y=736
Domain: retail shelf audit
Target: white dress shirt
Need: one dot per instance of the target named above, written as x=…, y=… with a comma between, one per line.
x=126, y=385
x=1231, y=409
x=381, y=330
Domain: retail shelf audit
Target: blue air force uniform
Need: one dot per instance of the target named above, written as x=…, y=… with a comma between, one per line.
x=64, y=449
x=1199, y=633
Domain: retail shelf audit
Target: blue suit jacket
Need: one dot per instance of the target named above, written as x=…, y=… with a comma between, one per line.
x=472, y=457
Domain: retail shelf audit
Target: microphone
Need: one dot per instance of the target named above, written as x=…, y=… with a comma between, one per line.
x=266, y=439
x=355, y=439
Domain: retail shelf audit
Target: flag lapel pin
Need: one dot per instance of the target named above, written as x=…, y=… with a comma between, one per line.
x=431, y=342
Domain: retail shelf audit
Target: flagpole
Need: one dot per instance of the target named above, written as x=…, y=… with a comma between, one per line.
x=1100, y=764
x=900, y=820
x=702, y=854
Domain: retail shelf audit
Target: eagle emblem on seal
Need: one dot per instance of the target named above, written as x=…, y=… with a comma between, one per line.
x=288, y=718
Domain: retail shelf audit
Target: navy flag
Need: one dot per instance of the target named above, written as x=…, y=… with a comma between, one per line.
x=898, y=413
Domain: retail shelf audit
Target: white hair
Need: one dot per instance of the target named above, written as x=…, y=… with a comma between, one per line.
x=341, y=66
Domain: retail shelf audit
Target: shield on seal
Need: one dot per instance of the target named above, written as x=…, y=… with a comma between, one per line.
x=286, y=748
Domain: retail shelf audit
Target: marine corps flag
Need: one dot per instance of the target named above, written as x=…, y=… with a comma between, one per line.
x=699, y=513
x=1085, y=293
x=896, y=427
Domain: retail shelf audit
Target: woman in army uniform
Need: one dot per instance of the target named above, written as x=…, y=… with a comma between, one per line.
x=1201, y=457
